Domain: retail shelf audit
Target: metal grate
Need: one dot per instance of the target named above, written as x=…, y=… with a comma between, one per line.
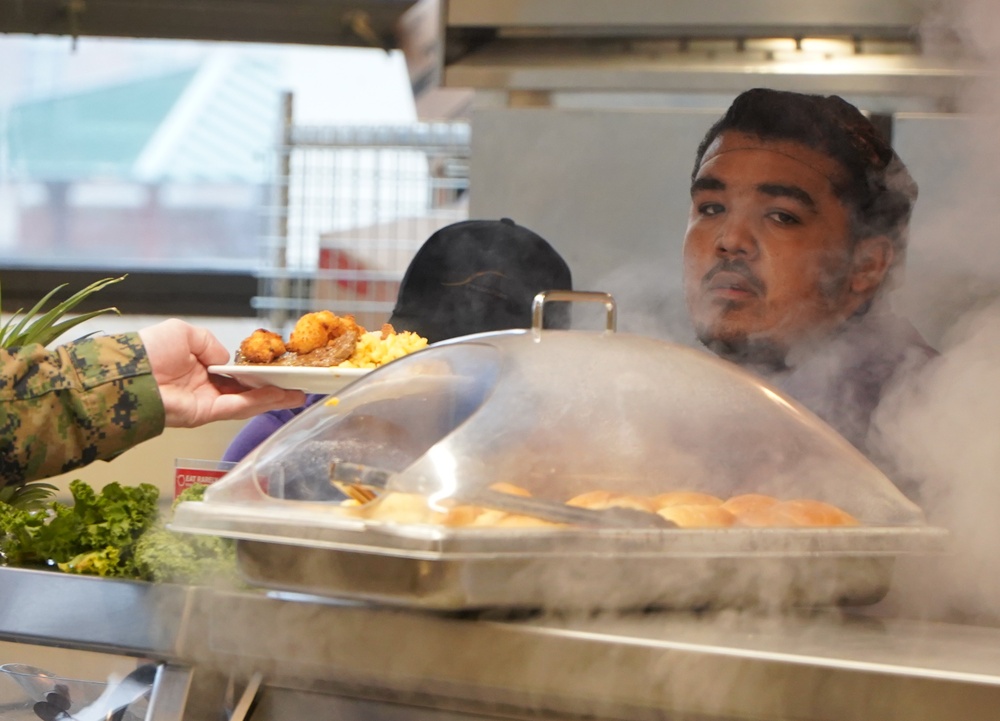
x=351, y=206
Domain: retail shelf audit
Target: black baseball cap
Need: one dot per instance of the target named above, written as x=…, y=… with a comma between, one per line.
x=477, y=276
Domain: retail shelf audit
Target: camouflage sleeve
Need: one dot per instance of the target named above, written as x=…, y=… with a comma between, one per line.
x=67, y=407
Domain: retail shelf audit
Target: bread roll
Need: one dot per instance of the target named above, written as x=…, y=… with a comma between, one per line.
x=805, y=512
x=601, y=500
x=758, y=518
x=516, y=520
x=749, y=503
x=698, y=516
x=686, y=498
x=592, y=499
x=504, y=487
x=398, y=507
x=489, y=517
x=462, y=515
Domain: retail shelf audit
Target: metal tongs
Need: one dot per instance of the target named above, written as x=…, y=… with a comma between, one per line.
x=362, y=483
x=109, y=706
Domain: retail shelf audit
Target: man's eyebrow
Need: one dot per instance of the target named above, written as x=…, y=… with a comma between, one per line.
x=788, y=191
x=707, y=182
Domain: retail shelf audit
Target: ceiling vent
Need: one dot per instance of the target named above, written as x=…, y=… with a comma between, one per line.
x=688, y=46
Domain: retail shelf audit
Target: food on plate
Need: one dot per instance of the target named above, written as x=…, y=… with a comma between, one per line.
x=378, y=347
x=315, y=330
x=324, y=339
x=335, y=352
x=700, y=515
x=262, y=346
x=686, y=498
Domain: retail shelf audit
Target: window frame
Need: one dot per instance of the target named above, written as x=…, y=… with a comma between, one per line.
x=184, y=293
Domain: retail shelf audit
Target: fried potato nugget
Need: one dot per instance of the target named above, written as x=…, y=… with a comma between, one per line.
x=311, y=331
x=262, y=346
x=342, y=324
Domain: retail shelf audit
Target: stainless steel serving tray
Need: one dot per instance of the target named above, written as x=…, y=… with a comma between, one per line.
x=439, y=568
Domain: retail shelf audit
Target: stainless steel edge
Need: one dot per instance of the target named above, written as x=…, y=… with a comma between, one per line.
x=98, y=614
x=502, y=68
x=816, y=666
x=821, y=667
x=333, y=530
x=696, y=13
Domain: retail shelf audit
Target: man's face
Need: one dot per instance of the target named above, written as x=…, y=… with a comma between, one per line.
x=767, y=254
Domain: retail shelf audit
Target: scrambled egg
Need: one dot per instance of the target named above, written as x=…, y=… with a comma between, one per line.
x=377, y=347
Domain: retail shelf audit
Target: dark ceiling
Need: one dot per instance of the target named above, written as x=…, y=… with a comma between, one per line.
x=310, y=22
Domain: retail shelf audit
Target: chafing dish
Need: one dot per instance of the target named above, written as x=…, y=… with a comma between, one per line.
x=556, y=414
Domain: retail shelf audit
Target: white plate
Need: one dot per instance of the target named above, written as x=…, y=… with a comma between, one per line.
x=310, y=380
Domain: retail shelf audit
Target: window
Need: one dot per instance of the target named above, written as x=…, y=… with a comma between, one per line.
x=165, y=158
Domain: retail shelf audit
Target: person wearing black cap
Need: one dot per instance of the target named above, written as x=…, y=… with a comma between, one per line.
x=478, y=276
x=799, y=219
x=474, y=276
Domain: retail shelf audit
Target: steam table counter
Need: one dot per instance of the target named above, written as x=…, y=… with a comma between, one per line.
x=269, y=656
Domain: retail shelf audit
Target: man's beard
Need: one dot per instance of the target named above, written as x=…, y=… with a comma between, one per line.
x=761, y=352
x=758, y=352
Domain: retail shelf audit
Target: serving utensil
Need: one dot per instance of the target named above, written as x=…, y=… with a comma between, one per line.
x=109, y=706
x=362, y=483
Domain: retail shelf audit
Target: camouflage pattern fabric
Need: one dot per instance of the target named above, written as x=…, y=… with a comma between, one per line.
x=81, y=402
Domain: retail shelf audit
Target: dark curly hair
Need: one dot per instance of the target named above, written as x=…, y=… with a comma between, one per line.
x=875, y=186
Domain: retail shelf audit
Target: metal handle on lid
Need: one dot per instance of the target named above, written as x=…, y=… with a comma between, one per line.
x=583, y=296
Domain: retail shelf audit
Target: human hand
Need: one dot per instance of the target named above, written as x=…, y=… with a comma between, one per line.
x=180, y=354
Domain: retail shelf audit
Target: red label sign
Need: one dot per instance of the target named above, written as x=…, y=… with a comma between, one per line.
x=187, y=477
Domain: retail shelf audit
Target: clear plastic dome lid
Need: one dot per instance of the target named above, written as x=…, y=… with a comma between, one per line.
x=556, y=417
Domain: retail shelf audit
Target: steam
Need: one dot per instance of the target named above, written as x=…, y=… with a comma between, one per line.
x=650, y=300
x=943, y=430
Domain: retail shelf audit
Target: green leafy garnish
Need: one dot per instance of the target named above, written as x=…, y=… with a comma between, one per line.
x=118, y=533
x=43, y=328
x=168, y=556
x=27, y=496
x=95, y=535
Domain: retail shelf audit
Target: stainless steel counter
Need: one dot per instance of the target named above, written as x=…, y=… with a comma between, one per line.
x=316, y=655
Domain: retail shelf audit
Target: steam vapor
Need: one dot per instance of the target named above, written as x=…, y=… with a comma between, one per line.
x=944, y=430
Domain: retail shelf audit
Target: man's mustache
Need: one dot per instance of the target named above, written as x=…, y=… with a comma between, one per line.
x=740, y=268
